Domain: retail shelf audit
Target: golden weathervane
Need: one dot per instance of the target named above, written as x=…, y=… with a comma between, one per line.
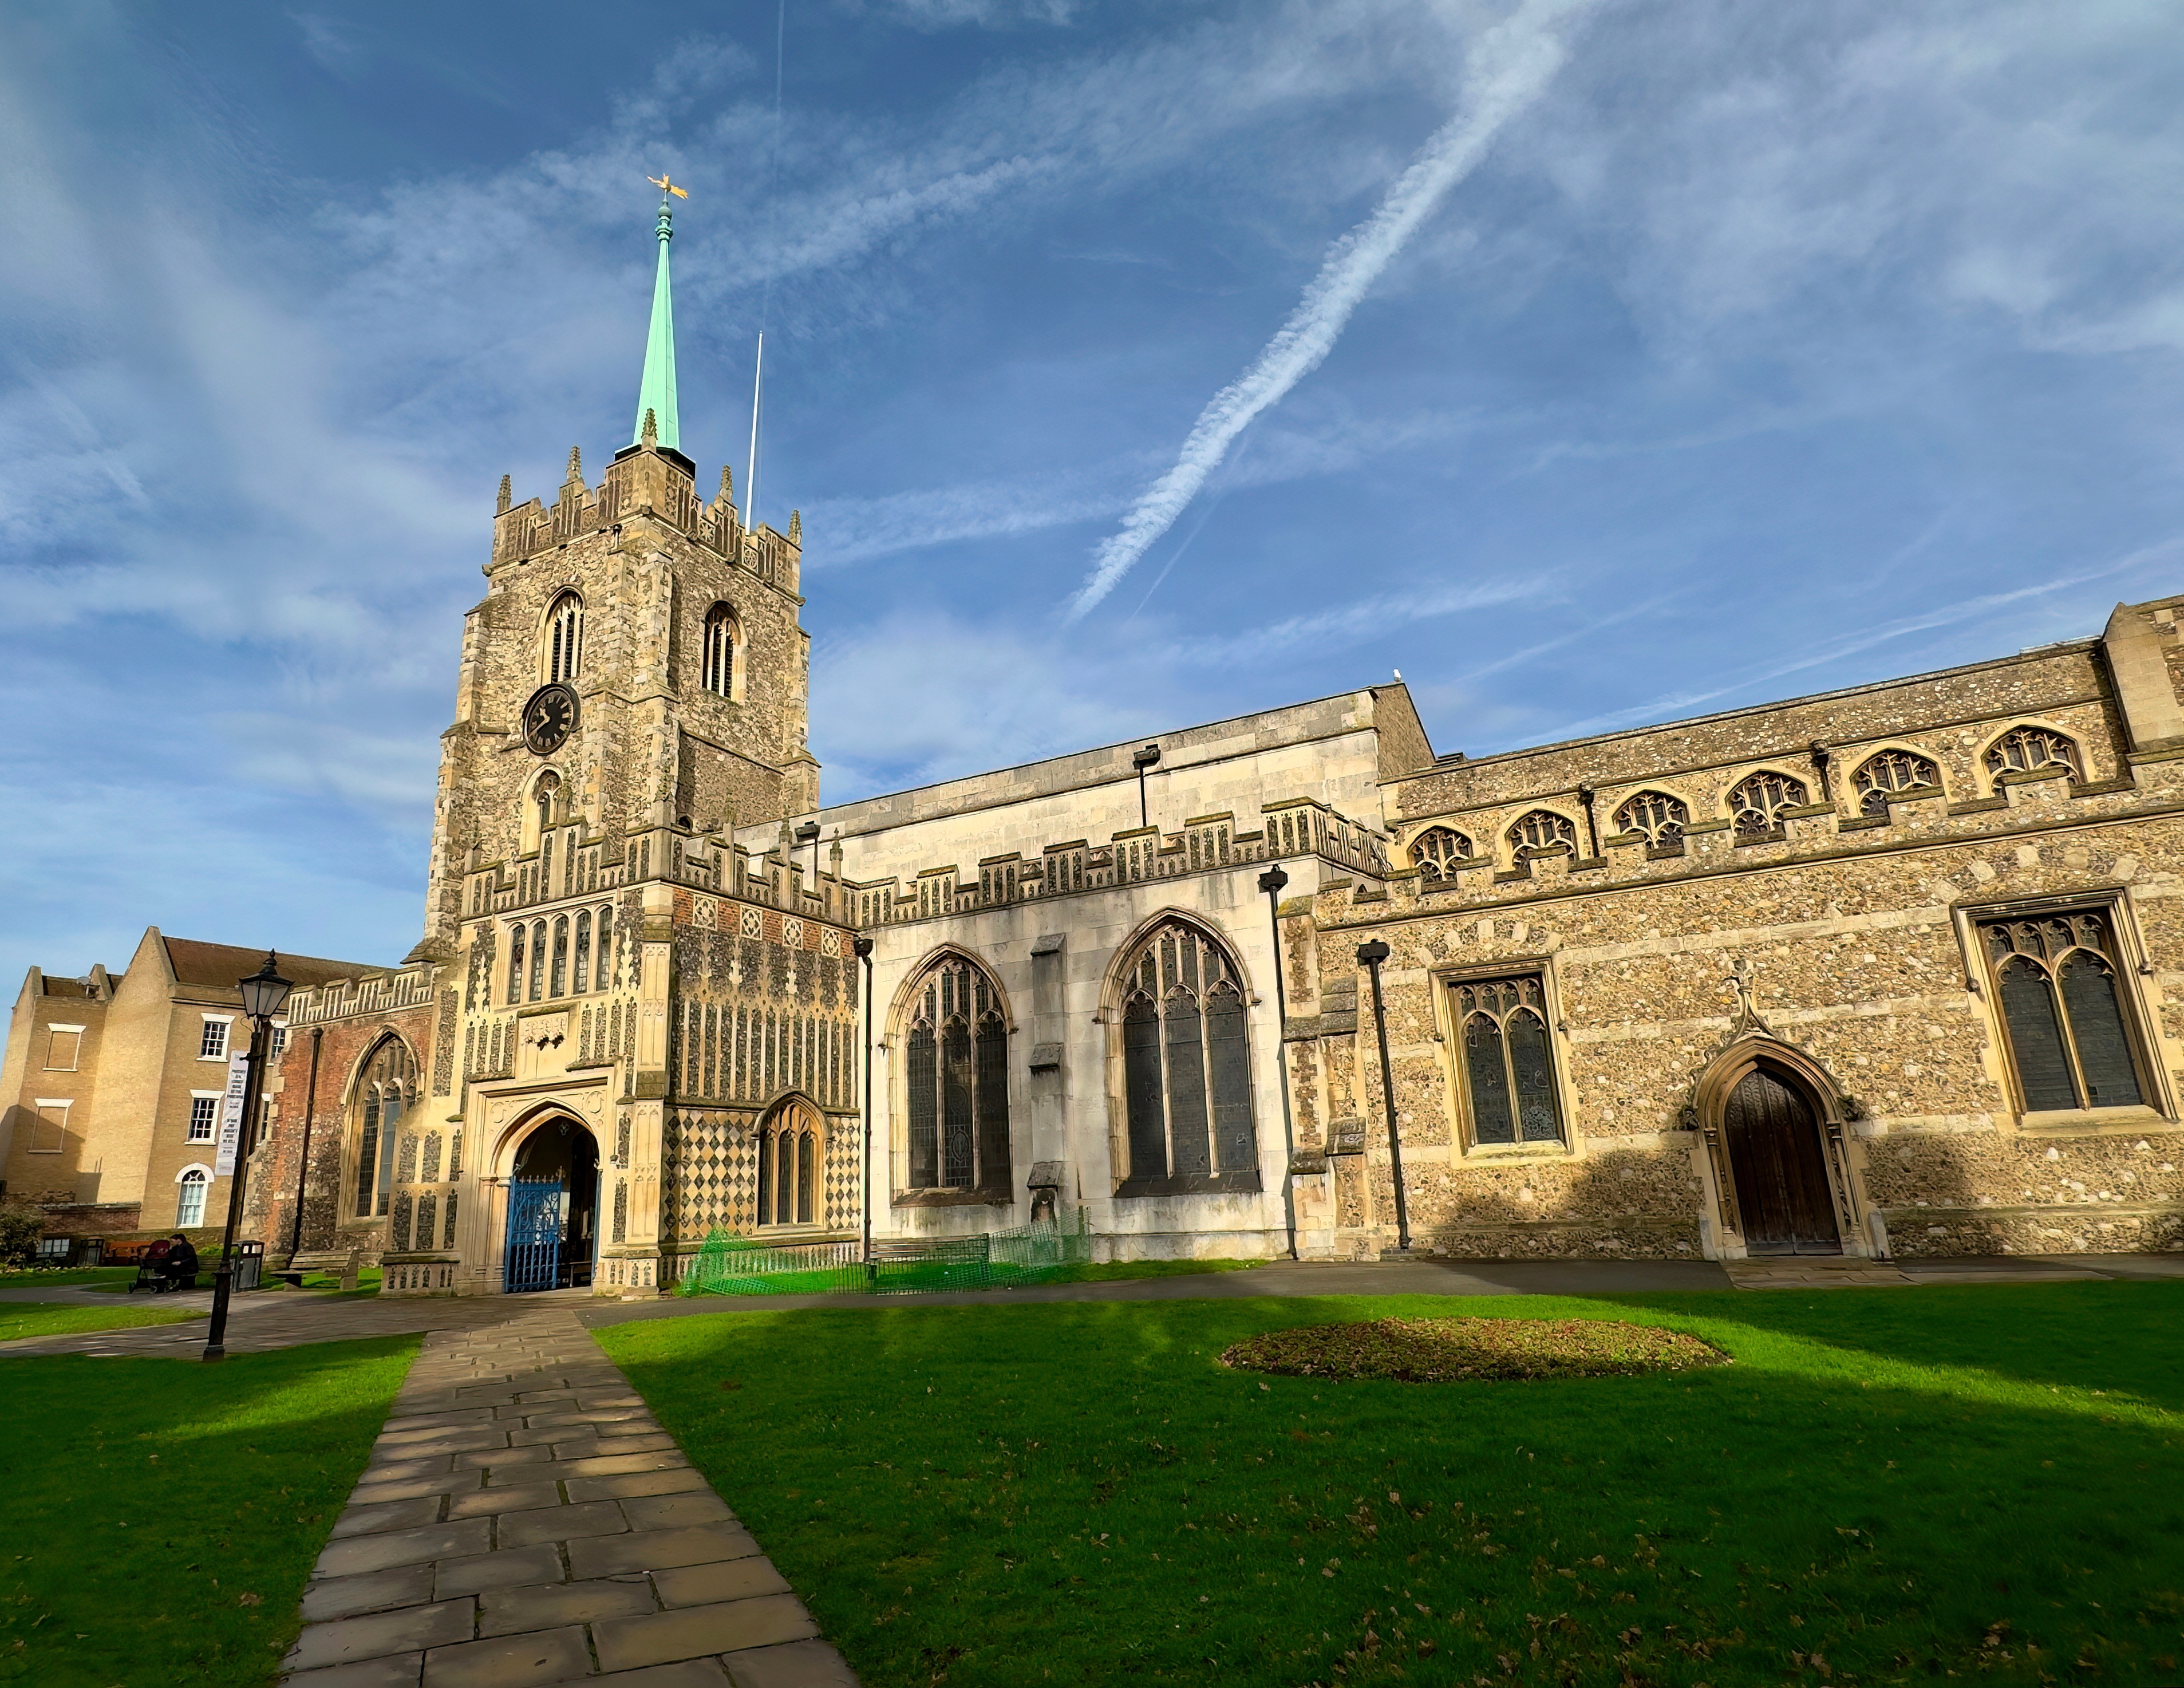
x=666, y=187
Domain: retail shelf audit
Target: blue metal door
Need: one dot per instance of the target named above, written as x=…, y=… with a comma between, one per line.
x=534, y=1232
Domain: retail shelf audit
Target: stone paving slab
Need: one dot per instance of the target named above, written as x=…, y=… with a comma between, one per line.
x=490, y=1544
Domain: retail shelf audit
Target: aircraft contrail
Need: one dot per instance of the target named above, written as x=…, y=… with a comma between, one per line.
x=1510, y=66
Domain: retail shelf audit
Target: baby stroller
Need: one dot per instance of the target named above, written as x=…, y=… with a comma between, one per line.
x=160, y=1270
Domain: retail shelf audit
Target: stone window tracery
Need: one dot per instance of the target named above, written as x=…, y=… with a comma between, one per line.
x=2058, y=983
x=384, y=1093
x=1438, y=851
x=957, y=1071
x=1504, y=1065
x=1186, y=1067
x=789, y=1149
x=1542, y=832
x=719, y=667
x=1756, y=806
x=1659, y=816
x=1887, y=775
x=565, y=637
x=2027, y=749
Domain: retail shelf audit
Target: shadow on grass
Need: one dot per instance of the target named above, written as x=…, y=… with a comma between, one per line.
x=158, y=1519
x=1076, y=1492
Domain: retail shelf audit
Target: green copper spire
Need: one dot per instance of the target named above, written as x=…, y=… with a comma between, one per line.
x=657, y=394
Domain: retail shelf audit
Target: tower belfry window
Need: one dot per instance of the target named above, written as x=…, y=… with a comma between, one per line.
x=720, y=663
x=565, y=637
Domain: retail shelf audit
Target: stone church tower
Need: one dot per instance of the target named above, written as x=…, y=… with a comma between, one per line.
x=637, y=663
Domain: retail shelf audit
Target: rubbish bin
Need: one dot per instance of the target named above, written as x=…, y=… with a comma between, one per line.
x=249, y=1266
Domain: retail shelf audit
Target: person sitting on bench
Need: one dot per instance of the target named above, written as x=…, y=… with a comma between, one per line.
x=181, y=1263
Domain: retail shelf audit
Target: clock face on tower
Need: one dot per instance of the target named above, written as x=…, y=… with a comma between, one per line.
x=549, y=718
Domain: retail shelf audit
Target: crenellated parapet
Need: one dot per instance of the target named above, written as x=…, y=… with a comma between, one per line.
x=655, y=481
x=1299, y=826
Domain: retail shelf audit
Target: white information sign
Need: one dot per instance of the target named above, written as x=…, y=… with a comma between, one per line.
x=230, y=1113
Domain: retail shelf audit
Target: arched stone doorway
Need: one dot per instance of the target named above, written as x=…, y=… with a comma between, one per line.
x=1772, y=1123
x=1773, y=1138
x=553, y=1235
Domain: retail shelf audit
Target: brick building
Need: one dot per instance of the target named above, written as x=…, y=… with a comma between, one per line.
x=110, y=1096
x=1881, y=972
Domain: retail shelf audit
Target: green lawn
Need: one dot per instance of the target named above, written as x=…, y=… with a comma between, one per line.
x=20, y=1319
x=75, y=1274
x=1886, y=1485
x=157, y=1518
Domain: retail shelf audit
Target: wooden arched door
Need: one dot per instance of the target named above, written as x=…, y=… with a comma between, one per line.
x=1781, y=1173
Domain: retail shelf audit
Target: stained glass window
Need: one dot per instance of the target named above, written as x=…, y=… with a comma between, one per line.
x=384, y=1093
x=1756, y=806
x=1542, y=833
x=1186, y=1065
x=2027, y=749
x=1438, y=851
x=2057, y=978
x=1661, y=818
x=1505, y=1064
x=1888, y=775
x=958, y=1076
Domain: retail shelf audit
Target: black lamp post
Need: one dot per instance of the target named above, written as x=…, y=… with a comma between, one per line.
x=1270, y=882
x=862, y=949
x=809, y=833
x=1370, y=955
x=1143, y=761
x=265, y=994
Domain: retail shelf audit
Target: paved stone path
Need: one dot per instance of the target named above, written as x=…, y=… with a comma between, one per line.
x=525, y=1521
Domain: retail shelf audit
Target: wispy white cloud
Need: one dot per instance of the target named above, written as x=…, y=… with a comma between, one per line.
x=1510, y=66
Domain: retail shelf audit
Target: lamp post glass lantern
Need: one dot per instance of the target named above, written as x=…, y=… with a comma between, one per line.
x=264, y=995
x=1369, y=956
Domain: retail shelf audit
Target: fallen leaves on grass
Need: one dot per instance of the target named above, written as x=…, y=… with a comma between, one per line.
x=1447, y=1349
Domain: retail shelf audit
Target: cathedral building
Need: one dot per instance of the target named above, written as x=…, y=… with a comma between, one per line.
x=1885, y=972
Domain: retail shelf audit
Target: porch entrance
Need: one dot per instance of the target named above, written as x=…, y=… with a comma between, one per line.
x=1774, y=1142
x=553, y=1209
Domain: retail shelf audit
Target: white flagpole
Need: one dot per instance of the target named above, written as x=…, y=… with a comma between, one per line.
x=751, y=472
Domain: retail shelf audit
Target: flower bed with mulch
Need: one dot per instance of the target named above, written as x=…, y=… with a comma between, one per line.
x=1431, y=1350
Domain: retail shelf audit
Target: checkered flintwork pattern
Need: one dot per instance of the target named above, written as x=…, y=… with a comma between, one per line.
x=711, y=1174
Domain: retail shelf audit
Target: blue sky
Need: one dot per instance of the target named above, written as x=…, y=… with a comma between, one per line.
x=1602, y=363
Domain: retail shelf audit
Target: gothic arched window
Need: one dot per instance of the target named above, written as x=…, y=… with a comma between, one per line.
x=583, y=951
x=1506, y=1068
x=956, y=1107
x=516, y=961
x=720, y=663
x=565, y=637
x=2025, y=750
x=558, y=983
x=538, y=960
x=789, y=1166
x=1438, y=851
x=1756, y=806
x=1661, y=818
x=383, y=1094
x=2056, y=980
x=1889, y=774
x=1186, y=1067
x=1542, y=832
